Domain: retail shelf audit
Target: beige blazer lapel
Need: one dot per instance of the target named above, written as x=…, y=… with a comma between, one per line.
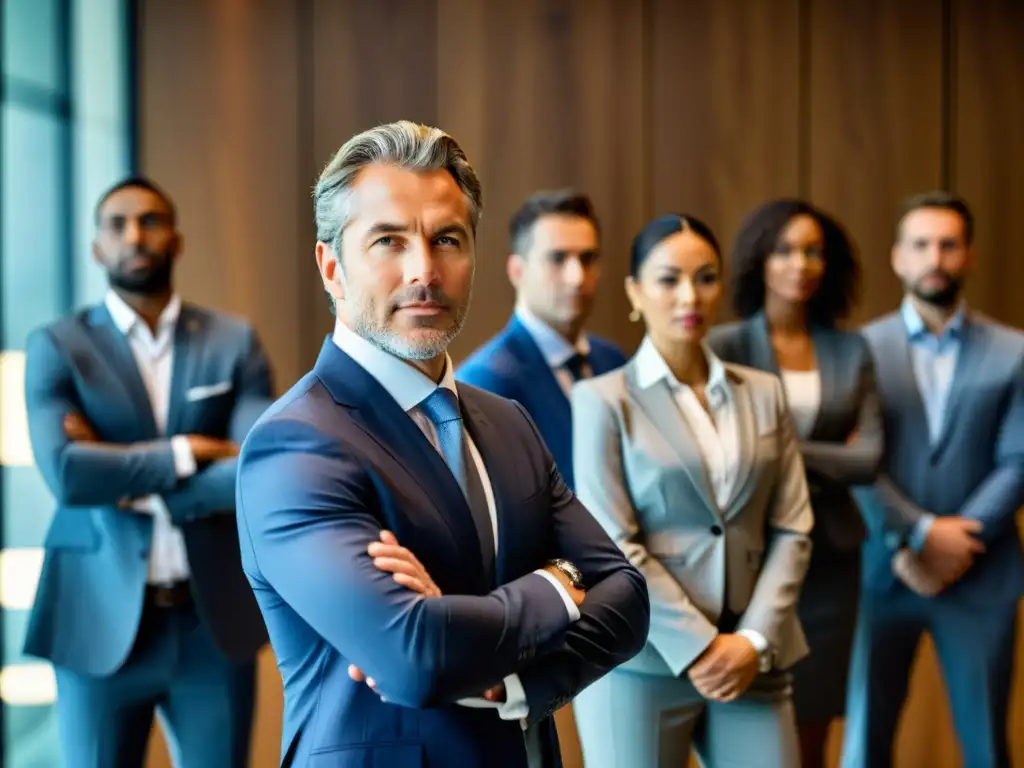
x=661, y=408
x=746, y=425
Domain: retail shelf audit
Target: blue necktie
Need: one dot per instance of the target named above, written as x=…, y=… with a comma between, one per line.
x=442, y=408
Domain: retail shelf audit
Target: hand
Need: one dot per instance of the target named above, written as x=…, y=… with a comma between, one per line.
x=726, y=668
x=357, y=674
x=206, y=449
x=851, y=438
x=495, y=694
x=577, y=595
x=408, y=571
x=78, y=430
x=950, y=547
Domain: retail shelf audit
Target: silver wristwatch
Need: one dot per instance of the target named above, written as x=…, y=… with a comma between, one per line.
x=571, y=572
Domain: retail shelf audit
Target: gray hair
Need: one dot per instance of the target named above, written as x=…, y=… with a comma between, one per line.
x=403, y=144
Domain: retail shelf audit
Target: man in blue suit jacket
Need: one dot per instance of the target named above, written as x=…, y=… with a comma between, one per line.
x=943, y=554
x=532, y=601
x=542, y=351
x=136, y=408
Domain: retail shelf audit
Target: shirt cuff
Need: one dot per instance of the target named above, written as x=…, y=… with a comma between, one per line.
x=570, y=606
x=756, y=639
x=184, y=460
x=146, y=505
x=514, y=707
x=919, y=533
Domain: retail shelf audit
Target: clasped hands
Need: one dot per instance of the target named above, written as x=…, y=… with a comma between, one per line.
x=950, y=548
x=725, y=669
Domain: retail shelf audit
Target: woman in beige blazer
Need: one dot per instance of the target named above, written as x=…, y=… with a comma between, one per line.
x=693, y=468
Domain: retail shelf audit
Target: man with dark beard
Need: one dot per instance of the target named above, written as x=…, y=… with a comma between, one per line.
x=943, y=554
x=136, y=410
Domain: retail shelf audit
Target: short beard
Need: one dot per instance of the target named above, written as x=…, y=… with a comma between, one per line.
x=366, y=325
x=945, y=298
x=155, y=282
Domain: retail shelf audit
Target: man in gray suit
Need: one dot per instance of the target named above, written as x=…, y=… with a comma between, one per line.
x=943, y=553
x=136, y=408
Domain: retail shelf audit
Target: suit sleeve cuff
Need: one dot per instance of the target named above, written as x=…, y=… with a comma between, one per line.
x=756, y=639
x=184, y=460
x=570, y=606
x=918, y=534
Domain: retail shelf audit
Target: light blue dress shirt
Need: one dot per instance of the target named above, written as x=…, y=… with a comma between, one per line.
x=933, y=359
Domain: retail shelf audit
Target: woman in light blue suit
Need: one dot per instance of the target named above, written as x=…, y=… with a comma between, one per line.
x=693, y=468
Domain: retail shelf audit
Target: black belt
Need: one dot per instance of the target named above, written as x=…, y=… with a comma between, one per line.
x=169, y=595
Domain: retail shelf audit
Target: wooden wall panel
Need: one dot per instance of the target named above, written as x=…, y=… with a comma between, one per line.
x=219, y=124
x=876, y=121
x=708, y=106
x=987, y=168
x=724, y=107
x=988, y=146
x=547, y=94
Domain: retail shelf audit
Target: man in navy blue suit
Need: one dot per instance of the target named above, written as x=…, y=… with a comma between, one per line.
x=542, y=351
x=505, y=583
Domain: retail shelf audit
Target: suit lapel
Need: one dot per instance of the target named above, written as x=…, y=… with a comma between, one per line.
x=968, y=363
x=114, y=348
x=502, y=479
x=663, y=411
x=895, y=363
x=762, y=356
x=825, y=351
x=381, y=418
x=760, y=352
x=187, y=337
x=542, y=380
x=747, y=438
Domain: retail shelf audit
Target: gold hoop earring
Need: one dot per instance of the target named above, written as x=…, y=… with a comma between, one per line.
x=634, y=316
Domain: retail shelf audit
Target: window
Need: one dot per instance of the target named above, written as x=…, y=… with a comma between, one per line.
x=65, y=135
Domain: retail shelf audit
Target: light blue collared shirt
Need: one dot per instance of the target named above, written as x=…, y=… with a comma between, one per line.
x=933, y=359
x=553, y=347
x=410, y=387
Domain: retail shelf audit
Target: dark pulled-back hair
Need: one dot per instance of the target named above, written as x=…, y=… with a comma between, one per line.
x=564, y=202
x=758, y=238
x=663, y=227
x=136, y=182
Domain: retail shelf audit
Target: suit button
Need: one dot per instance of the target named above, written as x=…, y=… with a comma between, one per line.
x=716, y=530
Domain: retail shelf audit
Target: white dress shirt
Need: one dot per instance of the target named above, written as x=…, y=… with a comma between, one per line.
x=154, y=357
x=717, y=433
x=553, y=347
x=410, y=387
x=803, y=395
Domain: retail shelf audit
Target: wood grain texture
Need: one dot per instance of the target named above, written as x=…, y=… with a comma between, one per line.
x=219, y=129
x=724, y=107
x=988, y=146
x=546, y=94
x=876, y=122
